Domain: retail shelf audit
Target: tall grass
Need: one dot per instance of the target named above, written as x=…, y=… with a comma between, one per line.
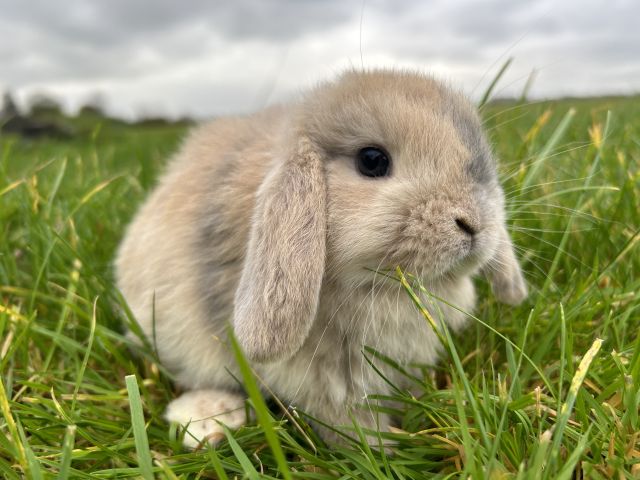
x=546, y=390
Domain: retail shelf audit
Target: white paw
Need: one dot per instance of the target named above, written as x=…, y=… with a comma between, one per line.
x=201, y=410
x=511, y=289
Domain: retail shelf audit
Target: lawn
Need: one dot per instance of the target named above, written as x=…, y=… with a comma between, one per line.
x=547, y=390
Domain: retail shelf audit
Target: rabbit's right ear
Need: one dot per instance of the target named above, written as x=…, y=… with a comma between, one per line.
x=277, y=298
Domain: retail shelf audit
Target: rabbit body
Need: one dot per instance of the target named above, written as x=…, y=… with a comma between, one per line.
x=264, y=222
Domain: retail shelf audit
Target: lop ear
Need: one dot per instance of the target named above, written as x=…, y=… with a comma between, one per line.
x=277, y=297
x=504, y=273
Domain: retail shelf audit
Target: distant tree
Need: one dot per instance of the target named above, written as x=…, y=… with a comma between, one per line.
x=42, y=104
x=9, y=108
x=94, y=106
x=45, y=118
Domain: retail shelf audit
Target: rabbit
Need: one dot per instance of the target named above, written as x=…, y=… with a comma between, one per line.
x=279, y=224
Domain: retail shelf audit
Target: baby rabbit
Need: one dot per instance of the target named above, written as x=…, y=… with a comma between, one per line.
x=276, y=223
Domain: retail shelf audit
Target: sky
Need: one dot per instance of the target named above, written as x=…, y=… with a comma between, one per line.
x=206, y=58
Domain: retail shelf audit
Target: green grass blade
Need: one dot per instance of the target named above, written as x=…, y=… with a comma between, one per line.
x=12, y=427
x=572, y=394
x=527, y=86
x=494, y=82
x=71, y=292
x=514, y=372
x=563, y=353
x=467, y=441
x=262, y=412
x=54, y=190
x=139, y=430
x=67, y=452
x=372, y=459
x=536, y=467
x=87, y=354
x=217, y=464
x=535, y=168
x=567, y=472
x=246, y=464
x=35, y=468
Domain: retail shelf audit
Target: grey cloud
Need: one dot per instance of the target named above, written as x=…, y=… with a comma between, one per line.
x=118, y=38
x=118, y=21
x=212, y=56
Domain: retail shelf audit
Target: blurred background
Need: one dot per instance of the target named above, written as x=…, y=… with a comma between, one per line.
x=202, y=58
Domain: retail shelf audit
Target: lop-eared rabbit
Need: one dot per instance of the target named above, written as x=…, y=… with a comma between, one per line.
x=279, y=224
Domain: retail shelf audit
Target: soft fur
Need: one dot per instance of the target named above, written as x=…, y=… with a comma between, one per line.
x=265, y=222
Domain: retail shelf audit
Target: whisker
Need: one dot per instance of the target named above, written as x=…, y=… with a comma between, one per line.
x=543, y=184
x=562, y=250
x=516, y=228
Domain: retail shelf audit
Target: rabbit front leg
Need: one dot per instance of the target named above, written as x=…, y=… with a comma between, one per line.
x=342, y=418
x=333, y=415
x=202, y=412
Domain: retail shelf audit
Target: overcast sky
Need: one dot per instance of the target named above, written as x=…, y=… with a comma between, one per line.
x=205, y=58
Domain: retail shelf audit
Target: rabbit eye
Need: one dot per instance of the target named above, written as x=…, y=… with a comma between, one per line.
x=373, y=162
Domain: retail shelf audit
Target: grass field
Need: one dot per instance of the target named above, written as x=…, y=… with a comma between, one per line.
x=547, y=390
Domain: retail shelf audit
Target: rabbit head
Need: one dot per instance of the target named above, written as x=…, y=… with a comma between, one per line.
x=376, y=169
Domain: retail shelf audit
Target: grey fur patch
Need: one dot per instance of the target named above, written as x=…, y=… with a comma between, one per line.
x=481, y=165
x=482, y=168
x=216, y=238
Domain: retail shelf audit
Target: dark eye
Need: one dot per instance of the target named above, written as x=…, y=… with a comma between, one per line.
x=373, y=162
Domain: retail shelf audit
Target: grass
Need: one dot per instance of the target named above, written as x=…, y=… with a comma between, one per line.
x=547, y=390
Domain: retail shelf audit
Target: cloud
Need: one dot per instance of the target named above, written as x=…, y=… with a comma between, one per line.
x=208, y=58
x=120, y=21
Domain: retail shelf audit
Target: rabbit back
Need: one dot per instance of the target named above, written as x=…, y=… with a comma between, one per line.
x=180, y=261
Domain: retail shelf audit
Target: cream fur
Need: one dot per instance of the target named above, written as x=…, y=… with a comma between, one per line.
x=264, y=221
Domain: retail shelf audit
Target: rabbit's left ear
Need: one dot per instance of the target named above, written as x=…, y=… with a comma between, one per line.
x=277, y=298
x=504, y=273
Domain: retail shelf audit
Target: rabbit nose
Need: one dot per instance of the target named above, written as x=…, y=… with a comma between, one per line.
x=466, y=226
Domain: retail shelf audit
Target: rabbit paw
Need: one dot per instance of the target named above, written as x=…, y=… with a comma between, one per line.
x=510, y=287
x=202, y=411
